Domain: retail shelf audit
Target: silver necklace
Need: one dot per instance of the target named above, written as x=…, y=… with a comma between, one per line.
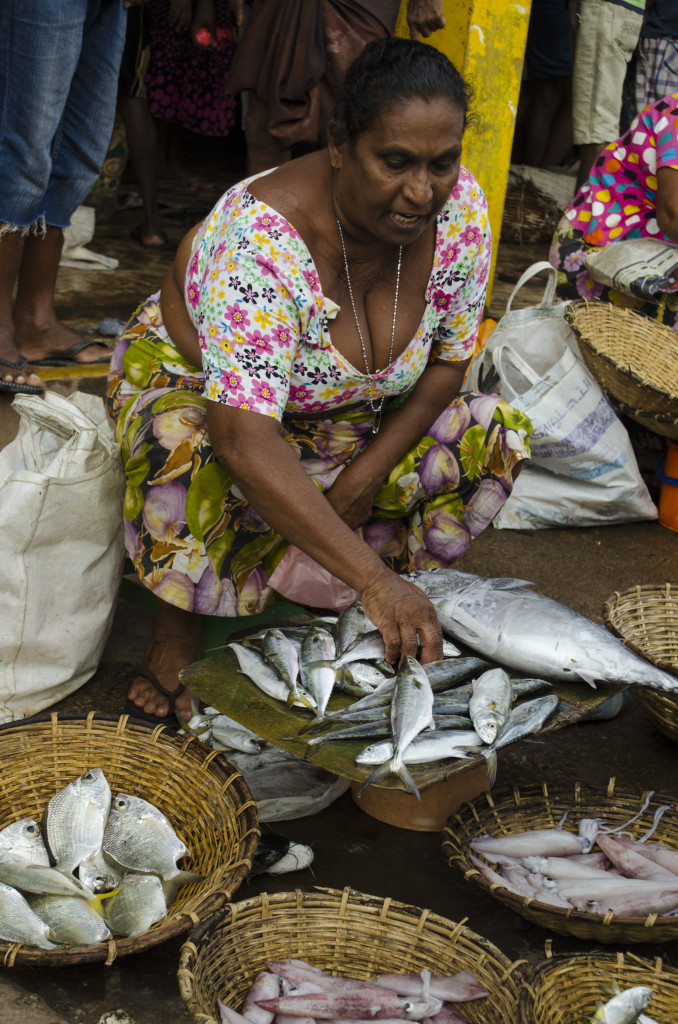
x=376, y=408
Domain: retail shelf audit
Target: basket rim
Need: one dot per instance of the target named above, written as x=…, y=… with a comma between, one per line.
x=577, y=305
x=13, y=954
x=529, y=795
x=554, y=961
x=201, y=938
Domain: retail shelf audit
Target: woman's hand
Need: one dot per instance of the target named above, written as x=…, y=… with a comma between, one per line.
x=424, y=17
x=404, y=616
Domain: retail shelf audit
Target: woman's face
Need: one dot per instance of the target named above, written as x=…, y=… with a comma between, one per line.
x=395, y=177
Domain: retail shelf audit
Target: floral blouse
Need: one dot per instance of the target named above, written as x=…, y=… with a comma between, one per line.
x=254, y=295
x=619, y=200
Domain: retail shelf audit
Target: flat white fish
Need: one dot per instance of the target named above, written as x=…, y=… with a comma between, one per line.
x=31, y=877
x=23, y=840
x=18, y=923
x=502, y=619
x=75, y=819
x=72, y=922
x=624, y=1007
x=139, y=905
x=99, y=875
x=140, y=839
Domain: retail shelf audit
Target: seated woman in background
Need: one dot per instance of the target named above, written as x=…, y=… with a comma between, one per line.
x=297, y=380
x=632, y=192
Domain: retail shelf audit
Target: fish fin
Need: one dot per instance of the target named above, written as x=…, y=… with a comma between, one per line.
x=186, y=878
x=510, y=583
x=491, y=763
x=404, y=774
x=311, y=726
x=586, y=677
x=379, y=773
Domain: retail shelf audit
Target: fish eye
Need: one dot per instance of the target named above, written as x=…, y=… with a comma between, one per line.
x=31, y=830
x=121, y=803
x=88, y=776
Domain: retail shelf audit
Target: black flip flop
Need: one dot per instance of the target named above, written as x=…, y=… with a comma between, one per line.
x=67, y=357
x=170, y=719
x=15, y=387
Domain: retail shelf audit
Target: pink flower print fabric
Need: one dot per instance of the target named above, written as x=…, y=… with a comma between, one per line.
x=254, y=295
x=619, y=200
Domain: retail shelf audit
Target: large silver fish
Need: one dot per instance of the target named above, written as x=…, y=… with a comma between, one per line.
x=428, y=747
x=140, y=839
x=518, y=628
x=72, y=922
x=527, y=719
x=138, y=905
x=625, y=1007
x=411, y=712
x=18, y=923
x=75, y=819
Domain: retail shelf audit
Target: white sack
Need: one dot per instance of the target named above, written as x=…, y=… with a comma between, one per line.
x=61, y=492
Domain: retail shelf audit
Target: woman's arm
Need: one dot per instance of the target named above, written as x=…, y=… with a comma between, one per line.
x=352, y=494
x=667, y=202
x=272, y=480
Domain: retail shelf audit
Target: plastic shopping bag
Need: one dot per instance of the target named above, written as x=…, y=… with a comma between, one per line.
x=583, y=469
x=61, y=492
x=300, y=578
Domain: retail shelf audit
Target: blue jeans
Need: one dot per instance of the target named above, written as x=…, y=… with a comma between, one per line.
x=59, y=62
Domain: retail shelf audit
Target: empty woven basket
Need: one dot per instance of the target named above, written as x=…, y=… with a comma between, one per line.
x=567, y=989
x=205, y=799
x=645, y=618
x=346, y=934
x=634, y=358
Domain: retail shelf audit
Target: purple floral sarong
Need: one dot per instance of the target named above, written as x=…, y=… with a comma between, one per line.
x=197, y=544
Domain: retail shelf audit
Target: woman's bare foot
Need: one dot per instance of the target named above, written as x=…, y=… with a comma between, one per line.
x=12, y=369
x=174, y=645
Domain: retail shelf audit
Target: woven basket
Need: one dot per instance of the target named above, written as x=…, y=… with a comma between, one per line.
x=202, y=795
x=537, y=806
x=645, y=618
x=634, y=358
x=567, y=989
x=345, y=933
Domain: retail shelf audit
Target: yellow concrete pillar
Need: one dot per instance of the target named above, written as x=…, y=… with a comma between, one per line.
x=485, y=39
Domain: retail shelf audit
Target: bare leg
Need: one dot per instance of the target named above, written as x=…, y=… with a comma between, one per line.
x=174, y=645
x=142, y=143
x=38, y=331
x=11, y=250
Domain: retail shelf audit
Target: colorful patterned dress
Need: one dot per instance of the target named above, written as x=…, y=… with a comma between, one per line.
x=619, y=201
x=264, y=329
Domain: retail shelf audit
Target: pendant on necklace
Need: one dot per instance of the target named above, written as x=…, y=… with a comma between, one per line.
x=377, y=421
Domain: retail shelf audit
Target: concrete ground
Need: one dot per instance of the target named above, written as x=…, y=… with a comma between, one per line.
x=580, y=568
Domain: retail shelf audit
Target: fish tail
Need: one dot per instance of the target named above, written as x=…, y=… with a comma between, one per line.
x=491, y=763
x=404, y=774
x=379, y=773
x=315, y=723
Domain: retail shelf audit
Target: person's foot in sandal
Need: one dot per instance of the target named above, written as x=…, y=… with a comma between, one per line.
x=175, y=644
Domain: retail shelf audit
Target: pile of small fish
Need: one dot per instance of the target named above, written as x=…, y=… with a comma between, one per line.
x=424, y=713
x=292, y=991
x=114, y=868
x=597, y=870
x=626, y=1007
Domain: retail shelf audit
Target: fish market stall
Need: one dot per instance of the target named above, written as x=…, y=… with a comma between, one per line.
x=528, y=664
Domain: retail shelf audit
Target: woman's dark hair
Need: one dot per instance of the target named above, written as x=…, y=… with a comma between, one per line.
x=390, y=71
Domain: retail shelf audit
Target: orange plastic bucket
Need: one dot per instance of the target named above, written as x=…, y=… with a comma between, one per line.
x=667, y=474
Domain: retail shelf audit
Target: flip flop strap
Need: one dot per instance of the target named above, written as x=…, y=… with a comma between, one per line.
x=152, y=678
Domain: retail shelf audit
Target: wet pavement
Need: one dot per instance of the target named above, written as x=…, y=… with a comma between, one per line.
x=579, y=567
